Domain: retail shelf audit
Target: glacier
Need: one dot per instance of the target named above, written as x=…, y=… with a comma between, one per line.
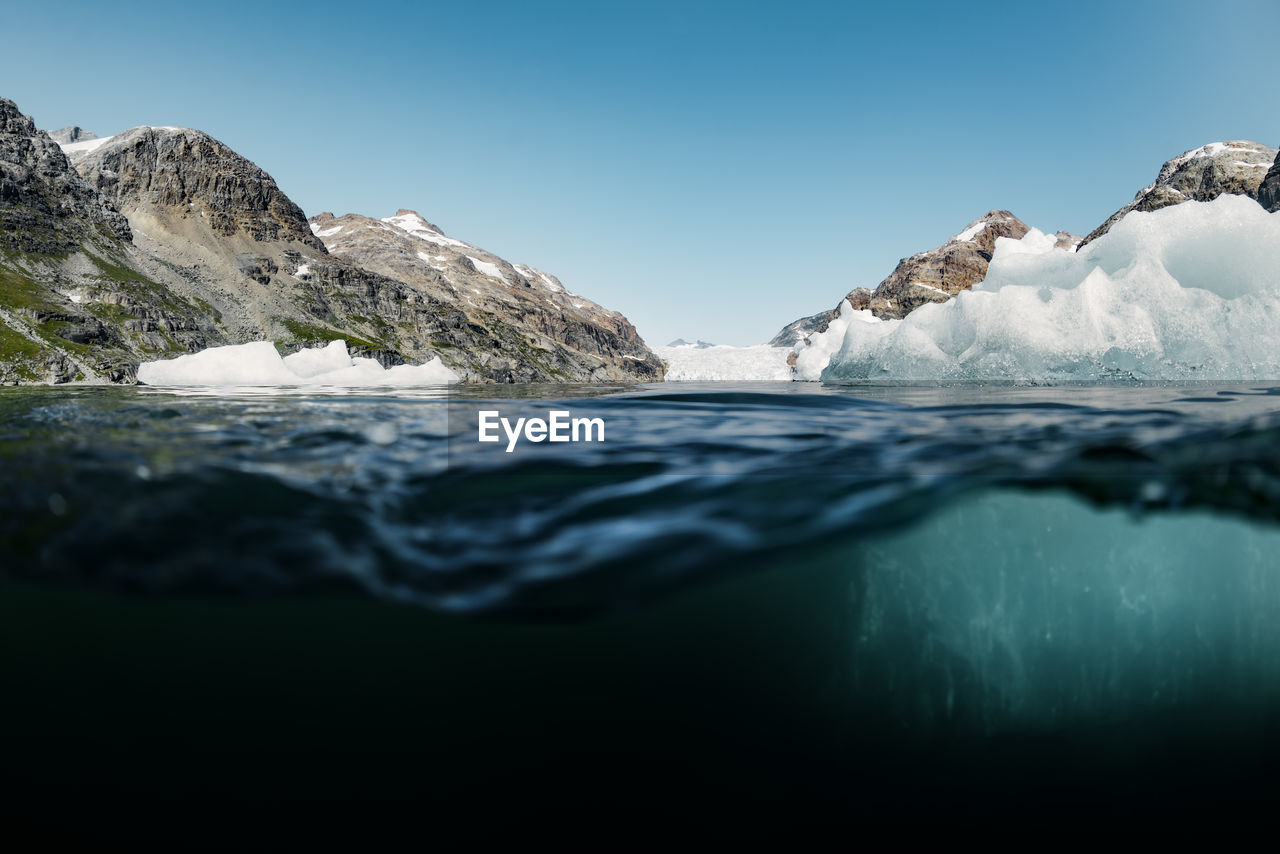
x=1187, y=292
x=259, y=364
x=722, y=362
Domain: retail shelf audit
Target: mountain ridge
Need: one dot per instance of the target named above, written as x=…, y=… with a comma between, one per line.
x=203, y=248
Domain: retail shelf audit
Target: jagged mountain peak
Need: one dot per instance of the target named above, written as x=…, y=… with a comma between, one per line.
x=1247, y=150
x=68, y=135
x=178, y=173
x=975, y=230
x=935, y=275
x=13, y=120
x=222, y=255
x=938, y=274
x=413, y=222
x=45, y=205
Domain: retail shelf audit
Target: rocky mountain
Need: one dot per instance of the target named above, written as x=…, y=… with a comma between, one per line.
x=926, y=277
x=45, y=206
x=162, y=240
x=76, y=301
x=541, y=331
x=65, y=136
x=1269, y=189
x=939, y=274
x=798, y=330
x=1201, y=174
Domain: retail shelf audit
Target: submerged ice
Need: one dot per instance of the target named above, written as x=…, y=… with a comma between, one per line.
x=1016, y=611
x=1186, y=292
x=258, y=363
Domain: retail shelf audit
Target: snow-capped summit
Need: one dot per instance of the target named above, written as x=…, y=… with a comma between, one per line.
x=973, y=230
x=414, y=223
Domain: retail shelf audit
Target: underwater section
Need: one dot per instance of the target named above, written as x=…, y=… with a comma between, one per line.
x=1036, y=612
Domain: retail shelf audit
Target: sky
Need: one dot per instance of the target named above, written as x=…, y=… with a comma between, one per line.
x=712, y=170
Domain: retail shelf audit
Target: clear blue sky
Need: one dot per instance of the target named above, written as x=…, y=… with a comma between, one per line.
x=709, y=169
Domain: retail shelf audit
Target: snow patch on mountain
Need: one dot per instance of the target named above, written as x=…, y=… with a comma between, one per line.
x=84, y=146
x=487, y=268
x=412, y=223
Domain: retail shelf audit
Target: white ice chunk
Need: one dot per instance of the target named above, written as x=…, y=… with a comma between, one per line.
x=258, y=364
x=811, y=359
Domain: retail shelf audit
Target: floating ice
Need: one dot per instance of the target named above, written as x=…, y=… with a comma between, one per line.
x=1190, y=291
x=259, y=364
x=722, y=362
x=811, y=359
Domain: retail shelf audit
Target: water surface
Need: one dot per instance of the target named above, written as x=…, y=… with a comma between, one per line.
x=844, y=597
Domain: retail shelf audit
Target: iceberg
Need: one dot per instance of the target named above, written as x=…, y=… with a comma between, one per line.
x=258, y=364
x=1187, y=292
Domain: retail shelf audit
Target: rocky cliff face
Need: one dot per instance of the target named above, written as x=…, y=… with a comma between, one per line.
x=798, y=330
x=76, y=301
x=1200, y=175
x=540, y=331
x=939, y=274
x=1269, y=189
x=188, y=174
x=45, y=206
x=65, y=136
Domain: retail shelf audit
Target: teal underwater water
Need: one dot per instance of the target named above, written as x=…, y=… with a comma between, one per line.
x=770, y=599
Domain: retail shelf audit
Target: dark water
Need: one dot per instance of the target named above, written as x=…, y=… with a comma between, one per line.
x=782, y=598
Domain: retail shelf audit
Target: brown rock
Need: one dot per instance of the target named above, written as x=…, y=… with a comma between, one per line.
x=1201, y=175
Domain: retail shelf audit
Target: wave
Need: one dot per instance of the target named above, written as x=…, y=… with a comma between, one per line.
x=179, y=492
